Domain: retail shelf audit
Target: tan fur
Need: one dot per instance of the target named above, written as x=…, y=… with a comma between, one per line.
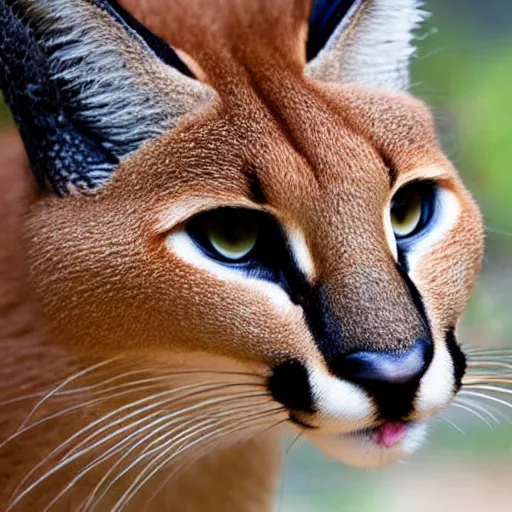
x=109, y=287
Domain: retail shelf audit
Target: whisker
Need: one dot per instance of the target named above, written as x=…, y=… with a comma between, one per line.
x=142, y=441
x=93, y=497
x=453, y=424
x=138, y=483
x=497, y=231
x=493, y=352
x=73, y=456
x=493, y=408
x=191, y=460
x=147, y=452
x=218, y=415
x=55, y=392
x=26, y=428
x=109, y=454
x=293, y=443
x=20, y=399
x=477, y=406
x=482, y=379
x=486, y=397
x=166, y=378
x=285, y=465
x=489, y=364
x=103, y=385
x=469, y=409
x=475, y=360
x=59, y=414
x=63, y=385
x=80, y=406
x=203, y=389
x=484, y=387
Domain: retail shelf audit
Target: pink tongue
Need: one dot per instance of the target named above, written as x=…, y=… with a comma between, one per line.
x=390, y=434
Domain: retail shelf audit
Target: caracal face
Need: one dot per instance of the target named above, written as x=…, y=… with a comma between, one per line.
x=284, y=211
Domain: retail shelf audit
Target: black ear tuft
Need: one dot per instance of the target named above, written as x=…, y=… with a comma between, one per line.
x=55, y=144
x=87, y=85
x=325, y=17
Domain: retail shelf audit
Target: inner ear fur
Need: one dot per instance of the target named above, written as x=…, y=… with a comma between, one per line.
x=371, y=45
x=85, y=89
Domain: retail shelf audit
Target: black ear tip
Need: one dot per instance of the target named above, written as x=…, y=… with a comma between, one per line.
x=326, y=15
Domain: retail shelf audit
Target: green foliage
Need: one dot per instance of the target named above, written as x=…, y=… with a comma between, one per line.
x=485, y=110
x=469, y=88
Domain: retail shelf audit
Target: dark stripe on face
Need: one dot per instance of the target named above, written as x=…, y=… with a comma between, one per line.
x=415, y=295
x=458, y=357
x=323, y=324
x=254, y=186
x=393, y=173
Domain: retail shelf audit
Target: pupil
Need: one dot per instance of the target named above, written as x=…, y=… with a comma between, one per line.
x=405, y=206
x=231, y=232
x=400, y=212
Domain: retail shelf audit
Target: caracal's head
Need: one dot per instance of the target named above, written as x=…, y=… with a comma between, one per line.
x=252, y=185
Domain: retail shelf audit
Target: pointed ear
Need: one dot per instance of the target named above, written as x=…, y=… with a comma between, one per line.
x=363, y=41
x=87, y=86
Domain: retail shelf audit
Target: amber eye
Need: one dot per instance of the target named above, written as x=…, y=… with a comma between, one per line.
x=412, y=209
x=227, y=234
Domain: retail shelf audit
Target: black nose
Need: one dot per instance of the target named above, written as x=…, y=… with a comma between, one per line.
x=391, y=378
x=395, y=368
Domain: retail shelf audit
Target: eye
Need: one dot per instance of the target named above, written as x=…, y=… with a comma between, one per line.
x=248, y=241
x=232, y=241
x=412, y=209
x=231, y=235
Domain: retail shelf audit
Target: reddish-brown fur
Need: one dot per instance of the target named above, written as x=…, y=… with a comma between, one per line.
x=107, y=285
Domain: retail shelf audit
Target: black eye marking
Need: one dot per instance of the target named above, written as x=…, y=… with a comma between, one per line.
x=324, y=325
x=416, y=298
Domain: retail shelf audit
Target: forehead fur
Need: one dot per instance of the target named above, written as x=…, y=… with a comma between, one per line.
x=299, y=140
x=205, y=29
x=253, y=55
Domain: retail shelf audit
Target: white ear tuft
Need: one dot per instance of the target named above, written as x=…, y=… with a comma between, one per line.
x=372, y=45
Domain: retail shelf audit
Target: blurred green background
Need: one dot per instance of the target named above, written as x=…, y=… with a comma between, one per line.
x=464, y=70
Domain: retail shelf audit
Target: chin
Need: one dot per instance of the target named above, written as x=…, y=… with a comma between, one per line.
x=365, y=448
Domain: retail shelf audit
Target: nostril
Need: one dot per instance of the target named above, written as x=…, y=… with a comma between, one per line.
x=388, y=367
